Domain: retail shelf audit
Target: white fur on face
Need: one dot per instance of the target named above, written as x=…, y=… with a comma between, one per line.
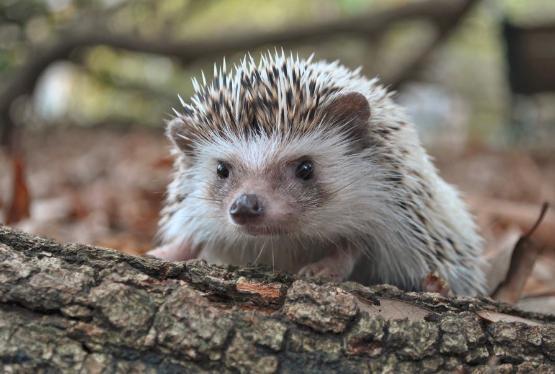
x=343, y=176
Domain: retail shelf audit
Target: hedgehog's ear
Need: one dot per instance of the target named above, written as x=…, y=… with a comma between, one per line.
x=352, y=112
x=177, y=131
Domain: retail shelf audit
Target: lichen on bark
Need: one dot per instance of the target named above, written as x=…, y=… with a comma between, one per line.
x=76, y=308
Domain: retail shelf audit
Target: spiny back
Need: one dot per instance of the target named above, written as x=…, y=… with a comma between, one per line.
x=279, y=94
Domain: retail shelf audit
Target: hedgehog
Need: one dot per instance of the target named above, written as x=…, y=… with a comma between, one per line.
x=311, y=168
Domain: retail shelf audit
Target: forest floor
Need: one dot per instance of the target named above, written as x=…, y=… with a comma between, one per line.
x=105, y=187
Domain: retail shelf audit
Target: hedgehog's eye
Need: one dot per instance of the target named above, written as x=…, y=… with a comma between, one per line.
x=222, y=170
x=304, y=170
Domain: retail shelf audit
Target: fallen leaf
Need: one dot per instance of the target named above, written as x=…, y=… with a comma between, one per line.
x=498, y=257
x=522, y=262
x=523, y=215
x=20, y=204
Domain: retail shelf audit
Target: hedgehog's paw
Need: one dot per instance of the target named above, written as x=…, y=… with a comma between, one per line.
x=175, y=251
x=324, y=268
x=337, y=265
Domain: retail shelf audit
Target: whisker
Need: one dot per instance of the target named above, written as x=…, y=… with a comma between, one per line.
x=259, y=253
x=203, y=199
x=273, y=259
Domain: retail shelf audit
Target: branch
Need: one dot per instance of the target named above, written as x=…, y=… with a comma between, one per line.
x=446, y=26
x=365, y=25
x=79, y=308
x=123, y=84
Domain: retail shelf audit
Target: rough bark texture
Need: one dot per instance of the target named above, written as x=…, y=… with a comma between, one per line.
x=79, y=308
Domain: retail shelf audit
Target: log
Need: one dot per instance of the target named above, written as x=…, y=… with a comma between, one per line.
x=77, y=308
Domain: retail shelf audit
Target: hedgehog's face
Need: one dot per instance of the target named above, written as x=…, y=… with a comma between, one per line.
x=268, y=200
x=274, y=185
x=263, y=185
x=281, y=183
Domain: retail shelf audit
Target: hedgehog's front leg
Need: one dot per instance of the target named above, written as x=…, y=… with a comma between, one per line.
x=178, y=250
x=337, y=265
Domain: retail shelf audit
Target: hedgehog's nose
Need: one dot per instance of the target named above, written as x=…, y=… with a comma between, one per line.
x=246, y=208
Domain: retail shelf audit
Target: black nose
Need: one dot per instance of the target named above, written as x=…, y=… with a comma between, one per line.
x=245, y=208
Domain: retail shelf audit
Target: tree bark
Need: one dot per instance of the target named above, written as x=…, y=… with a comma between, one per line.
x=78, y=308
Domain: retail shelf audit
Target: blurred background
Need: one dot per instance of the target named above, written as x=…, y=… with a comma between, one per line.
x=85, y=87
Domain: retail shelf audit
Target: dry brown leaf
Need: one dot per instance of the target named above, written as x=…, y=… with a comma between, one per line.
x=20, y=204
x=492, y=316
x=516, y=213
x=522, y=262
x=498, y=256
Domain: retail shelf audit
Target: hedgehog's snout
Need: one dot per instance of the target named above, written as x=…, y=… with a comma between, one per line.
x=260, y=206
x=246, y=208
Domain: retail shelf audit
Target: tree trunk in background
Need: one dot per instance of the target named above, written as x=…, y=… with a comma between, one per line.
x=74, y=307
